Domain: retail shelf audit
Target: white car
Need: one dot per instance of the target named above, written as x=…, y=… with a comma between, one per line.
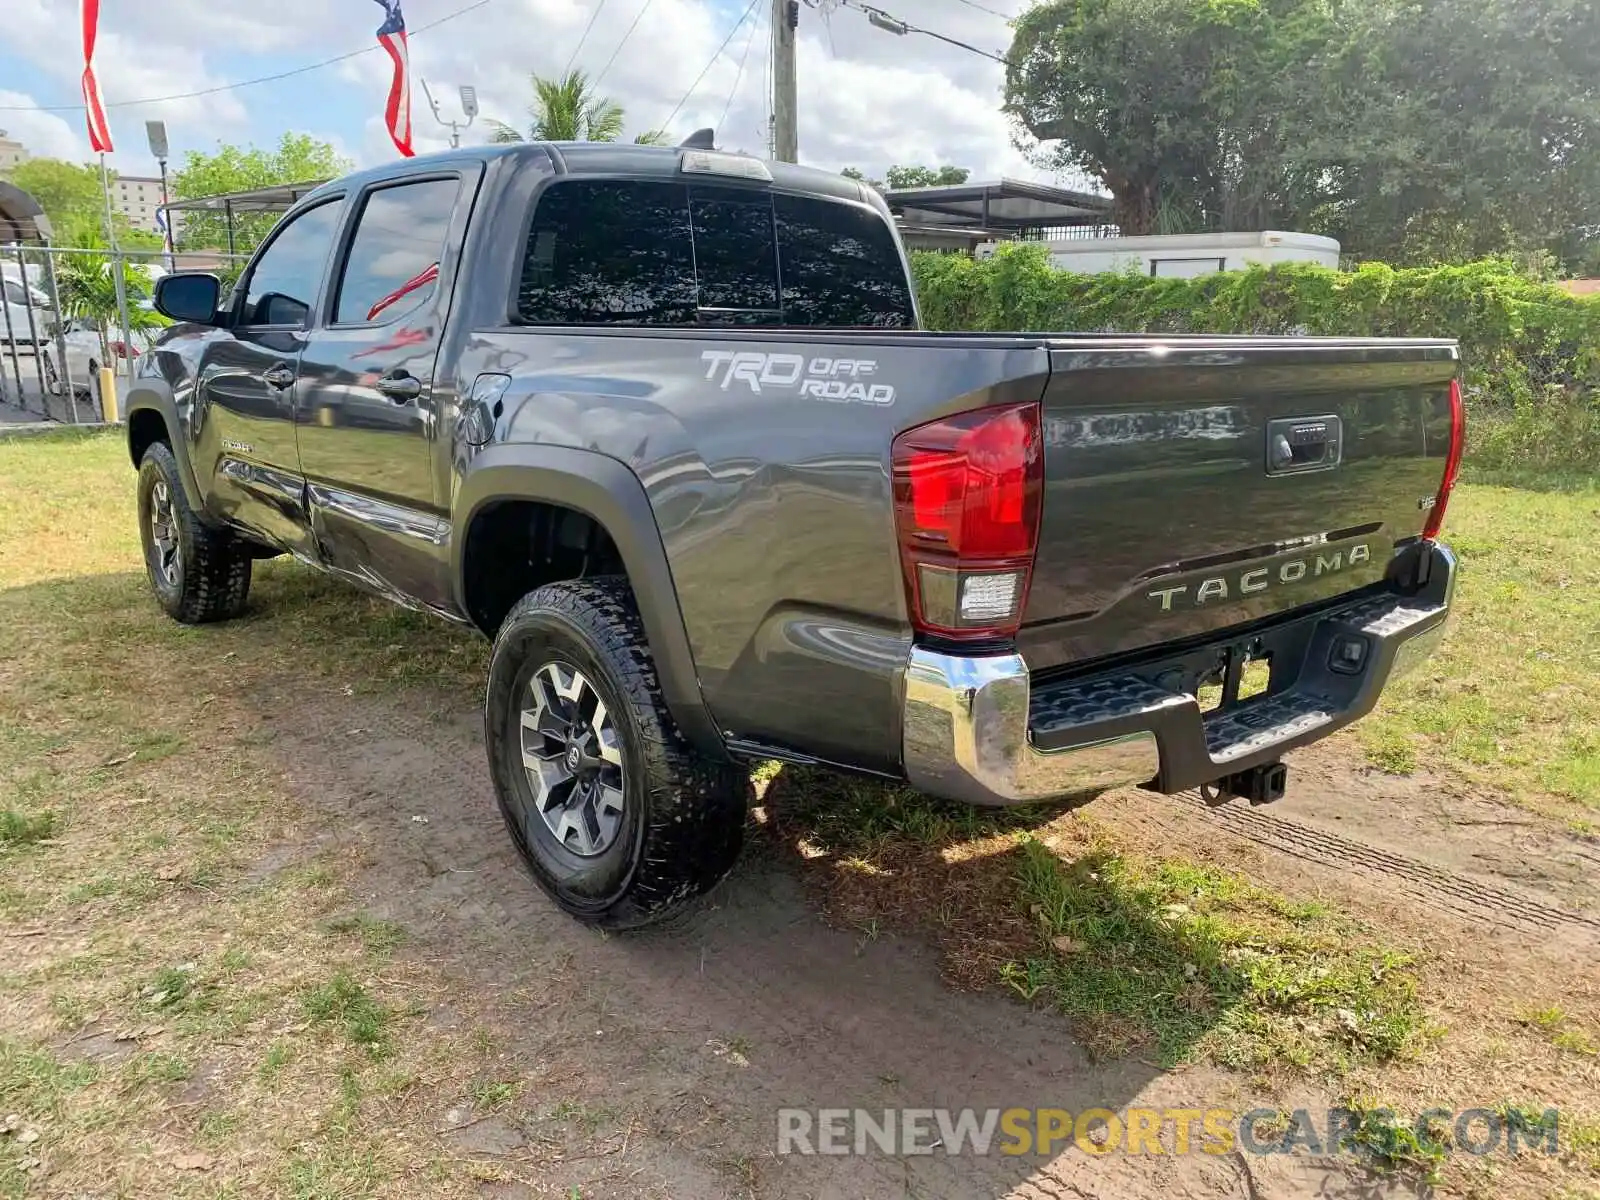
x=84, y=355
x=18, y=299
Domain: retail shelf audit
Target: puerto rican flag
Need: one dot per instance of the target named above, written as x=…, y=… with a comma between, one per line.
x=99, y=131
x=392, y=37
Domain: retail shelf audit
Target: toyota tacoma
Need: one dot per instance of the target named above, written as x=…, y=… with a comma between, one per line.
x=662, y=424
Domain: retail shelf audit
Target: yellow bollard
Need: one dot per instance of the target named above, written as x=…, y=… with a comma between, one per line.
x=108, y=393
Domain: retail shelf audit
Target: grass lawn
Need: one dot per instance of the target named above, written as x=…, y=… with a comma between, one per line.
x=143, y=950
x=1512, y=700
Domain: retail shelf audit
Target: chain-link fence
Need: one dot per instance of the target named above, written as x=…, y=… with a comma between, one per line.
x=67, y=311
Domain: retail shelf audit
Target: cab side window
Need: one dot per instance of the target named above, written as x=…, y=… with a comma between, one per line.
x=393, y=265
x=606, y=252
x=283, y=283
x=620, y=252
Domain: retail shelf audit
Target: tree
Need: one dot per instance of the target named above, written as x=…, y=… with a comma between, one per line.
x=568, y=109
x=64, y=190
x=915, y=177
x=911, y=177
x=72, y=198
x=87, y=289
x=1183, y=109
x=1416, y=130
x=297, y=158
x=1462, y=128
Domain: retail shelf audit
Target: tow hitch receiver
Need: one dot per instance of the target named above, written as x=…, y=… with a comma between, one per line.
x=1259, y=785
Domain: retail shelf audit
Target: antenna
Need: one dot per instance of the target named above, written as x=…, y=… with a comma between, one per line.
x=700, y=139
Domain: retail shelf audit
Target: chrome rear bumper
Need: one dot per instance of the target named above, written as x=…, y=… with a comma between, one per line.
x=973, y=725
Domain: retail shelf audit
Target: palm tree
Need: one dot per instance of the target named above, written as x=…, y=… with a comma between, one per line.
x=88, y=289
x=566, y=110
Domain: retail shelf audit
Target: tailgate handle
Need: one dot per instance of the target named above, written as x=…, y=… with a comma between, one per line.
x=1296, y=444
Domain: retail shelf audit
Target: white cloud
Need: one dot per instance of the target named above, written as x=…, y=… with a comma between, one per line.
x=45, y=134
x=132, y=60
x=867, y=97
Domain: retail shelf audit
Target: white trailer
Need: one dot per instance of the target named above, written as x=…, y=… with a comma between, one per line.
x=1185, y=255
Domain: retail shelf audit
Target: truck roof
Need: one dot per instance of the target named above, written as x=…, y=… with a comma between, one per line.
x=616, y=159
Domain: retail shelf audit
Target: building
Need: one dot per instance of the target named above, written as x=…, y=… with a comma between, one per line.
x=12, y=153
x=138, y=197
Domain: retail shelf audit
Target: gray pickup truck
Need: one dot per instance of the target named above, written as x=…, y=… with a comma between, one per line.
x=661, y=423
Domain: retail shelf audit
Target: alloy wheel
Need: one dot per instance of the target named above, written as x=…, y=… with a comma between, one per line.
x=572, y=752
x=164, y=533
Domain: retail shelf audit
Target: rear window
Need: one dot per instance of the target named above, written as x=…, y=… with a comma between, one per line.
x=610, y=252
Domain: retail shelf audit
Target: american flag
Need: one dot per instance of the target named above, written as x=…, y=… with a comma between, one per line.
x=99, y=131
x=392, y=37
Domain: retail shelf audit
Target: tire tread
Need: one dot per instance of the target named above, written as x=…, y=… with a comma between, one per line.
x=696, y=806
x=215, y=580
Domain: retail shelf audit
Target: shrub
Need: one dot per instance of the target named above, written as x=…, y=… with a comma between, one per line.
x=1531, y=351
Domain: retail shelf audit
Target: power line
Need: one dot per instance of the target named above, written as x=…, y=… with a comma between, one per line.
x=227, y=87
x=639, y=17
x=993, y=12
x=750, y=8
x=893, y=24
x=593, y=17
x=744, y=58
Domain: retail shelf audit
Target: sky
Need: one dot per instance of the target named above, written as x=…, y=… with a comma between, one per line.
x=867, y=97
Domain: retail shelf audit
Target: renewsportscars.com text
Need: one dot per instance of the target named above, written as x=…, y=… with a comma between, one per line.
x=1162, y=1131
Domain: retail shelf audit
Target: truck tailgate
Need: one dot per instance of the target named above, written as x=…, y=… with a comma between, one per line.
x=1193, y=484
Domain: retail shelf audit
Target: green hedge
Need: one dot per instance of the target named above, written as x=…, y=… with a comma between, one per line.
x=1532, y=351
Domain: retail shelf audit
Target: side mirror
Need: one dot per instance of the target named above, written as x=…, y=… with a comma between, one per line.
x=190, y=296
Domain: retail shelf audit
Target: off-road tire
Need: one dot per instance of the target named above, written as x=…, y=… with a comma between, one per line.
x=683, y=814
x=211, y=579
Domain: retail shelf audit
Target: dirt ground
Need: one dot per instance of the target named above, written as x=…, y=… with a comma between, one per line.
x=262, y=934
x=638, y=1028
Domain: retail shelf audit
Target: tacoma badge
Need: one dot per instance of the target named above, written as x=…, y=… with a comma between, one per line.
x=1261, y=579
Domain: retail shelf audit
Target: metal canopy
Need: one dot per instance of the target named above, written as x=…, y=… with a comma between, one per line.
x=21, y=218
x=280, y=197
x=1008, y=204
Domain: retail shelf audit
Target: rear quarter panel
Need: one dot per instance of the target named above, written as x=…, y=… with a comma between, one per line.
x=775, y=509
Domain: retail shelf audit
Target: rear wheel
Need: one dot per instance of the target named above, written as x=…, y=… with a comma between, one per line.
x=617, y=817
x=197, y=573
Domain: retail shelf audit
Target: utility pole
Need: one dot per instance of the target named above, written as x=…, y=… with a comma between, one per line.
x=785, y=126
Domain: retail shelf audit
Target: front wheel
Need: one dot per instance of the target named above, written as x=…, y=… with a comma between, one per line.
x=197, y=573
x=617, y=817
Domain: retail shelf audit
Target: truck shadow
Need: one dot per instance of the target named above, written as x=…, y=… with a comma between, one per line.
x=1031, y=905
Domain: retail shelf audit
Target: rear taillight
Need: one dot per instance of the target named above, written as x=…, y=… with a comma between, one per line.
x=966, y=496
x=1452, y=461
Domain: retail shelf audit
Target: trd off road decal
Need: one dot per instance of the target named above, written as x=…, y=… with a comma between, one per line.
x=842, y=380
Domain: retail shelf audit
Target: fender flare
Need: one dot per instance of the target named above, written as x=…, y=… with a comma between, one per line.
x=608, y=492
x=148, y=396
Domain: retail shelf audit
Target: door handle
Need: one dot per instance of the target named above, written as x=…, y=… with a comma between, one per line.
x=400, y=387
x=1303, y=444
x=280, y=376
